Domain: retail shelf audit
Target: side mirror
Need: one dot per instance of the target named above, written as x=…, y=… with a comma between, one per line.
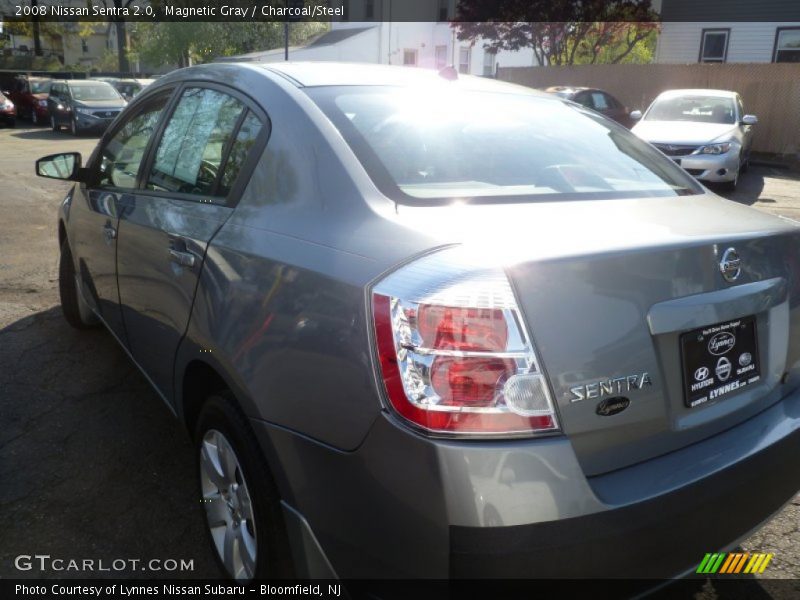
x=636, y=115
x=60, y=166
x=749, y=120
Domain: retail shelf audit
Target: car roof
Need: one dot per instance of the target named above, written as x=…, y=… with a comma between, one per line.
x=697, y=92
x=80, y=81
x=320, y=74
x=567, y=89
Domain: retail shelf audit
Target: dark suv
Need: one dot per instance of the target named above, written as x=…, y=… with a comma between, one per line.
x=83, y=105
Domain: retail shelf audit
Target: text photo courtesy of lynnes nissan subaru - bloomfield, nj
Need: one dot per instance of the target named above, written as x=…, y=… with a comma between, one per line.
x=375, y=299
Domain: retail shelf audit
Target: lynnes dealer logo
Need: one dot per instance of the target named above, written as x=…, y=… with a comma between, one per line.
x=721, y=343
x=733, y=563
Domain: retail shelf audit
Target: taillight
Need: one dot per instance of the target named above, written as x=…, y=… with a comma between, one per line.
x=453, y=351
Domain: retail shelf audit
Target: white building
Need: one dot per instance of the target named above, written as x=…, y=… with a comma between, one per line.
x=377, y=33
x=735, y=31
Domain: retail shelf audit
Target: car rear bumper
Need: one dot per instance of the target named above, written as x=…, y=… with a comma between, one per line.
x=406, y=506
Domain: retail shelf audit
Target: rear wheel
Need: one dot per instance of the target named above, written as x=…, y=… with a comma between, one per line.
x=244, y=518
x=76, y=311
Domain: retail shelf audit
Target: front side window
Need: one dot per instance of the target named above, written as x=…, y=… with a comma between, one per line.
x=439, y=144
x=699, y=109
x=410, y=58
x=714, y=45
x=122, y=155
x=787, y=45
x=599, y=101
x=191, y=150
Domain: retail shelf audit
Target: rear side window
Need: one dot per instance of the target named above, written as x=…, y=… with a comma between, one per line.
x=122, y=155
x=189, y=156
x=240, y=150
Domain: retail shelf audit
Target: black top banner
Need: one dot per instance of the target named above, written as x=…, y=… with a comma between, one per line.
x=400, y=10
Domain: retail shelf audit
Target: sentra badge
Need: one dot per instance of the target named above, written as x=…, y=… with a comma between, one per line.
x=610, y=387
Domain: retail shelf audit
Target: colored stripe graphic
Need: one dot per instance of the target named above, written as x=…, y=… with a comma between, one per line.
x=735, y=562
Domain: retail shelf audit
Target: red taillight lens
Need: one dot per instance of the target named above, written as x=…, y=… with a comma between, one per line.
x=454, y=328
x=469, y=381
x=460, y=370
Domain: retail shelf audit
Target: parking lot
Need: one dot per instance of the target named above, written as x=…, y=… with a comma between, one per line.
x=92, y=464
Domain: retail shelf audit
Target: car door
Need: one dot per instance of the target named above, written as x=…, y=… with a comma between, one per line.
x=186, y=192
x=111, y=183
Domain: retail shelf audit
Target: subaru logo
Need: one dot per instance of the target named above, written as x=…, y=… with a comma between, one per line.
x=731, y=265
x=701, y=374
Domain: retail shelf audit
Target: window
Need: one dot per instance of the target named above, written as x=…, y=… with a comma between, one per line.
x=430, y=146
x=697, y=109
x=240, y=150
x=441, y=57
x=787, y=45
x=714, y=45
x=463, y=59
x=190, y=153
x=369, y=9
x=489, y=57
x=410, y=57
x=84, y=46
x=443, y=10
x=122, y=155
x=599, y=101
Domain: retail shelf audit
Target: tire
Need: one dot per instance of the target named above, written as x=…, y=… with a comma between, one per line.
x=34, y=118
x=77, y=314
x=53, y=123
x=223, y=431
x=12, y=123
x=73, y=127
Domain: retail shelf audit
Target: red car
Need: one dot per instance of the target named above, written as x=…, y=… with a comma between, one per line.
x=600, y=101
x=8, y=112
x=30, y=96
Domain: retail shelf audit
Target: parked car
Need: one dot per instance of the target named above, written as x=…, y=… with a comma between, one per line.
x=359, y=286
x=83, y=105
x=128, y=88
x=29, y=94
x=8, y=112
x=598, y=100
x=707, y=132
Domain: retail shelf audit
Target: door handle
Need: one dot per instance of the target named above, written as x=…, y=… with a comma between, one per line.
x=184, y=259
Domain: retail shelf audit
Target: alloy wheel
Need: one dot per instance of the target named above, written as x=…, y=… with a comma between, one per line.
x=229, y=509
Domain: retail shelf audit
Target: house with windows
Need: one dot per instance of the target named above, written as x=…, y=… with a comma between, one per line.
x=732, y=31
x=378, y=31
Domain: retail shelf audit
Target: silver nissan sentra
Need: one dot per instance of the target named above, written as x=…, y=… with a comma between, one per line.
x=426, y=325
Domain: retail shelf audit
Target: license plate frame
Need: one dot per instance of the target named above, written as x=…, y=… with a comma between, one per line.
x=719, y=360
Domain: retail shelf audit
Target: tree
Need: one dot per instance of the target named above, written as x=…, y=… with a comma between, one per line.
x=561, y=32
x=179, y=43
x=122, y=33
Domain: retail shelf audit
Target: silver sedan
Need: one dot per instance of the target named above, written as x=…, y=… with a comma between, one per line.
x=705, y=131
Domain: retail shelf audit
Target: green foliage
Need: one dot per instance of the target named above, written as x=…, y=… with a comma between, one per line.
x=175, y=43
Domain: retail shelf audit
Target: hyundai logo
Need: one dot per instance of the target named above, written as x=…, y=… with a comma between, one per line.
x=701, y=374
x=731, y=265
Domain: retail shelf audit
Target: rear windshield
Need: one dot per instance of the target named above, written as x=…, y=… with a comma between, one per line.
x=700, y=109
x=94, y=91
x=40, y=87
x=429, y=145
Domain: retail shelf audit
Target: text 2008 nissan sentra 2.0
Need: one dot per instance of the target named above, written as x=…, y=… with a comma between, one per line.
x=423, y=325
